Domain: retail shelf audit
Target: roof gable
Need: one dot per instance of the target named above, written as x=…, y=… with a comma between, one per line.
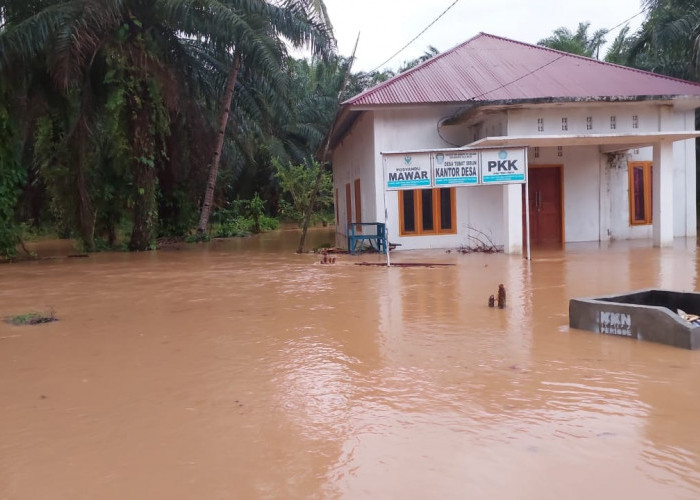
x=491, y=68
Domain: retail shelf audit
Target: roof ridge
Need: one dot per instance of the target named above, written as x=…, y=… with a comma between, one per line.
x=589, y=59
x=408, y=72
x=481, y=53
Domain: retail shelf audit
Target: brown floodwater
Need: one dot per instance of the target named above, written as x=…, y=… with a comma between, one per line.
x=240, y=369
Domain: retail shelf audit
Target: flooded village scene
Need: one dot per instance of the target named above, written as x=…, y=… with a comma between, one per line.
x=238, y=262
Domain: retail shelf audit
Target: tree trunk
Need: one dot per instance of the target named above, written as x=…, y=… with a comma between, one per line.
x=144, y=172
x=214, y=169
x=310, y=208
x=86, y=214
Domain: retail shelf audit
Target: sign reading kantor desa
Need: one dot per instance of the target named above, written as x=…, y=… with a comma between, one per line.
x=456, y=168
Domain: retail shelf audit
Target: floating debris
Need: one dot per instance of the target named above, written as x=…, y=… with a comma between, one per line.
x=31, y=318
x=690, y=318
x=403, y=264
x=326, y=259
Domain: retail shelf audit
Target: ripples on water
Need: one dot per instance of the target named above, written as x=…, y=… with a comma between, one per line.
x=243, y=370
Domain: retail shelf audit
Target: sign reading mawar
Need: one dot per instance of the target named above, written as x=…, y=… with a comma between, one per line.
x=407, y=171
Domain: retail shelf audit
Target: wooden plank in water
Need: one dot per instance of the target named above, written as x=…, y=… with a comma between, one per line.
x=403, y=264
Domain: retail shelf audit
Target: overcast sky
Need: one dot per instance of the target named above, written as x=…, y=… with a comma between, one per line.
x=387, y=25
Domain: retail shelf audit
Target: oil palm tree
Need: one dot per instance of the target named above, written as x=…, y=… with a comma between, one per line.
x=619, y=47
x=669, y=39
x=313, y=94
x=259, y=46
x=580, y=42
x=130, y=58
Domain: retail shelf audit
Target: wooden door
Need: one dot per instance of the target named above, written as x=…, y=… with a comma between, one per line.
x=546, y=210
x=358, y=204
x=348, y=204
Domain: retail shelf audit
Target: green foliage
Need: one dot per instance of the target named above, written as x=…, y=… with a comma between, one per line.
x=12, y=177
x=619, y=48
x=429, y=53
x=298, y=183
x=580, y=42
x=117, y=104
x=242, y=218
x=244, y=226
x=51, y=160
x=32, y=318
x=197, y=238
x=669, y=40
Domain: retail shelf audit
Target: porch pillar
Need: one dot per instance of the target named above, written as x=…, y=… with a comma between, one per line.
x=513, y=218
x=662, y=194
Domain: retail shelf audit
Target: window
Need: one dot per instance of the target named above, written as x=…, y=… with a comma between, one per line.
x=640, y=190
x=427, y=211
x=589, y=123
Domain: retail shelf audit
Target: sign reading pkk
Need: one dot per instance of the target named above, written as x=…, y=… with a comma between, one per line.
x=407, y=171
x=456, y=168
x=500, y=166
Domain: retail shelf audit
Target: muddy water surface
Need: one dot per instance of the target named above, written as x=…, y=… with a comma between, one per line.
x=242, y=370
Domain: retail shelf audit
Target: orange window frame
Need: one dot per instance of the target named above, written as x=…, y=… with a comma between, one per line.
x=640, y=215
x=418, y=208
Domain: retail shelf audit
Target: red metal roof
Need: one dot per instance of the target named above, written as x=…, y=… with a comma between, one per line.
x=491, y=68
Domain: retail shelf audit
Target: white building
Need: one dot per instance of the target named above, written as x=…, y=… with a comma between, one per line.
x=611, y=153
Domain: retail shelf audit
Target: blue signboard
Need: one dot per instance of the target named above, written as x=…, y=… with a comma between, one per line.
x=407, y=171
x=503, y=166
x=456, y=168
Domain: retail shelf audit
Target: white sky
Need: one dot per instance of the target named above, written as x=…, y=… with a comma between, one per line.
x=387, y=25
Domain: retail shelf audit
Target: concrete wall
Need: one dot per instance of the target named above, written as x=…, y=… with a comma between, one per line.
x=596, y=185
x=524, y=121
x=476, y=207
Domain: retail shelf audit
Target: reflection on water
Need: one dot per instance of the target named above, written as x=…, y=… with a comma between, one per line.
x=239, y=369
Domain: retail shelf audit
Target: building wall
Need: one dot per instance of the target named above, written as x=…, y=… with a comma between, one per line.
x=479, y=207
x=581, y=184
x=573, y=118
x=602, y=212
x=354, y=159
x=596, y=191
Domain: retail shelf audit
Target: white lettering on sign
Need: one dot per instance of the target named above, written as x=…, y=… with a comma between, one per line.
x=614, y=323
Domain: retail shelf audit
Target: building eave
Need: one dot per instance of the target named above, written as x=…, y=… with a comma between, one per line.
x=609, y=142
x=475, y=108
